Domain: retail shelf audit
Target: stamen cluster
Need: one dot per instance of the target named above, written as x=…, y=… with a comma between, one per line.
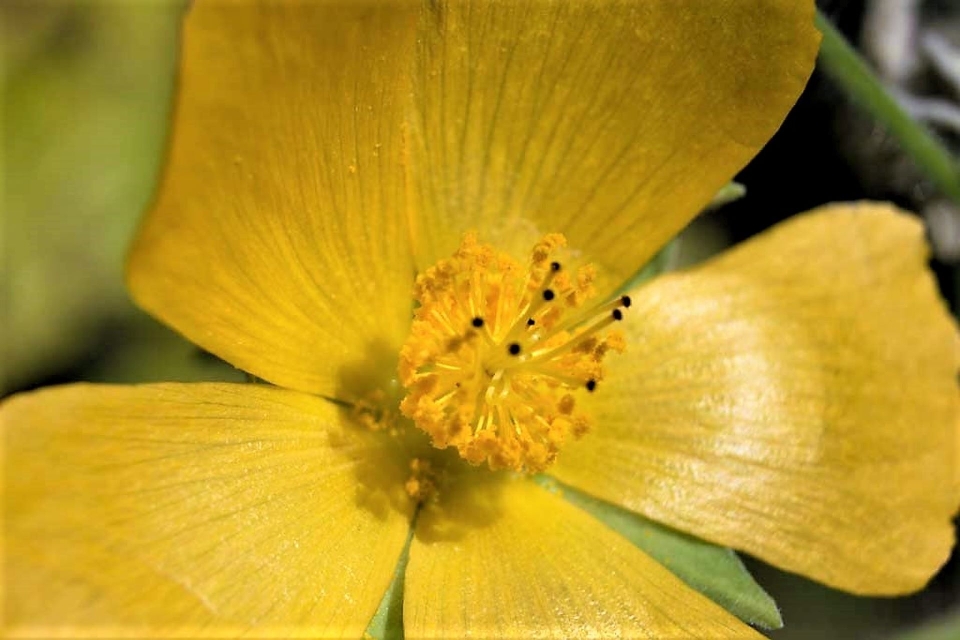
x=497, y=352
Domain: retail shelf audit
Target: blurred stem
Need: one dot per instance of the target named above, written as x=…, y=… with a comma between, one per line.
x=845, y=66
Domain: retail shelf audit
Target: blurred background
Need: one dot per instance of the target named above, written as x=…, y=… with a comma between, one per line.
x=87, y=93
x=87, y=89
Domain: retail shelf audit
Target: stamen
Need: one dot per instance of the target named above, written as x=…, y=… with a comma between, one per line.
x=508, y=399
x=422, y=483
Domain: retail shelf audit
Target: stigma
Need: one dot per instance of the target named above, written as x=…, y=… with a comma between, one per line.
x=499, y=352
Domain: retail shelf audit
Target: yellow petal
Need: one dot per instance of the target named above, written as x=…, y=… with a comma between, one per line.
x=279, y=238
x=206, y=509
x=611, y=122
x=511, y=560
x=795, y=398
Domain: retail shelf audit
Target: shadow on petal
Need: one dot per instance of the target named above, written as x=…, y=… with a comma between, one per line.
x=469, y=500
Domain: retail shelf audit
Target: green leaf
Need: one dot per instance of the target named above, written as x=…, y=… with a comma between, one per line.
x=714, y=571
x=387, y=622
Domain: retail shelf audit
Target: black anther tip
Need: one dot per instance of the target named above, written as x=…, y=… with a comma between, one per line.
x=555, y=266
x=531, y=322
x=477, y=322
x=548, y=294
x=617, y=314
x=591, y=385
x=514, y=349
x=626, y=301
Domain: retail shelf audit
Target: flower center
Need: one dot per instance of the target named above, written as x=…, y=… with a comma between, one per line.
x=497, y=353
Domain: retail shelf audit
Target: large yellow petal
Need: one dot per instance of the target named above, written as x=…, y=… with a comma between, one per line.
x=194, y=510
x=796, y=398
x=613, y=122
x=279, y=239
x=511, y=560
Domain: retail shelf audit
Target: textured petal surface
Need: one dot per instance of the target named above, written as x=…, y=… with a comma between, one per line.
x=795, y=398
x=279, y=238
x=194, y=510
x=511, y=560
x=613, y=122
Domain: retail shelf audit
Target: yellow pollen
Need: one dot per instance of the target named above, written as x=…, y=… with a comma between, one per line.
x=498, y=352
x=422, y=483
x=371, y=412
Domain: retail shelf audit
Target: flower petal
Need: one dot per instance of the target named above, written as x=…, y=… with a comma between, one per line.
x=795, y=398
x=194, y=509
x=611, y=122
x=716, y=572
x=279, y=239
x=511, y=560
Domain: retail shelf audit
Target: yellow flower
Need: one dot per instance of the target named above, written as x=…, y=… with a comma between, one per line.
x=794, y=398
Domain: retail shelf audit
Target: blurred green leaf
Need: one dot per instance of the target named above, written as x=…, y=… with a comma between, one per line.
x=947, y=628
x=85, y=113
x=144, y=350
x=730, y=192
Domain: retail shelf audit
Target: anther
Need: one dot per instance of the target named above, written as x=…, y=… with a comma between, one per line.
x=626, y=301
x=493, y=362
